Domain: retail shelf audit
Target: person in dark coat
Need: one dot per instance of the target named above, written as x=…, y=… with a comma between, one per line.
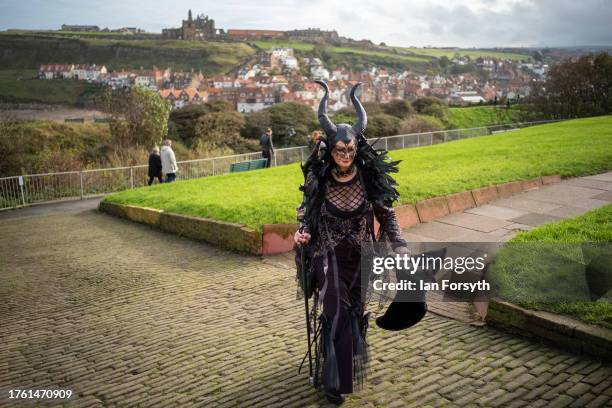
x=155, y=166
x=267, y=148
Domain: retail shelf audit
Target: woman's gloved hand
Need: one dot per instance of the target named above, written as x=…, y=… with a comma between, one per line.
x=301, y=238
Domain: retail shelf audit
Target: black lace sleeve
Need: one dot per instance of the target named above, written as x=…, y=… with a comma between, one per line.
x=385, y=214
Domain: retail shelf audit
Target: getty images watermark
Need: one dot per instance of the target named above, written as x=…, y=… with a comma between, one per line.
x=476, y=271
x=411, y=264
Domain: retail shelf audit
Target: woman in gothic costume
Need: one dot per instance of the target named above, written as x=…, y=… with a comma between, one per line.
x=347, y=185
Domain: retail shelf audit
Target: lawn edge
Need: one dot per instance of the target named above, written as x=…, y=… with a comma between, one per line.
x=560, y=330
x=278, y=238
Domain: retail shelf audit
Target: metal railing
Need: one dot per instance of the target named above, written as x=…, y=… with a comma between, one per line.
x=18, y=191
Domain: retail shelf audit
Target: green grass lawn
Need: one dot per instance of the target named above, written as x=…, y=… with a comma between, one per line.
x=543, y=269
x=570, y=148
x=478, y=116
x=298, y=45
x=372, y=53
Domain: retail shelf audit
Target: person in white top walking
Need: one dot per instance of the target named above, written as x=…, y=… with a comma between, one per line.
x=169, y=166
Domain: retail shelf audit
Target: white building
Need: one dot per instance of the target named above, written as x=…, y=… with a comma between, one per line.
x=319, y=72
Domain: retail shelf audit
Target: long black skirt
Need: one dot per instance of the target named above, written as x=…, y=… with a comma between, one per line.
x=344, y=326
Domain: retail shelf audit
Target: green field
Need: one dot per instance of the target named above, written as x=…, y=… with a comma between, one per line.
x=298, y=45
x=382, y=54
x=473, y=54
x=569, y=148
x=548, y=263
x=477, y=116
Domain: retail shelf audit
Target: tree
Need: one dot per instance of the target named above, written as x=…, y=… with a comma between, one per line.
x=218, y=129
x=139, y=118
x=575, y=89
x=185, y=119
x=284, y=116
x=444, y=63
x=256, y=123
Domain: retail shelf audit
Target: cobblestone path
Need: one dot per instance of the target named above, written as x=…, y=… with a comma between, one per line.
x=127, y=316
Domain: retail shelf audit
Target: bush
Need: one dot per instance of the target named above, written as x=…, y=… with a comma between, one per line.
x=218, y=129
x=256, y=123
x=399, y=108
x=184, y=120
x=382, y=125
x=430, y=105
x=420, y=124
x=284, y=116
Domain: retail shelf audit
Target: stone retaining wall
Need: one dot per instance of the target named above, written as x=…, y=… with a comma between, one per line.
x=228, y=235
x=278, y=238
x=559, y=330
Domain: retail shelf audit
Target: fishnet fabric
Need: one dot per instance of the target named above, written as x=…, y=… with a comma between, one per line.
x=347, y=197
x=349, y=220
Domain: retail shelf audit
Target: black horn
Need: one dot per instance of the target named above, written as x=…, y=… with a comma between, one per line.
x=362, y=117
x=327, y=125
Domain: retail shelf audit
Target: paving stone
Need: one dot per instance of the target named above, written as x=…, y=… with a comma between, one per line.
x=588, y=203
x=157, y=320
x=607, y=177
x=475, y=222
x=537, y=392
x=607, y=196
x=600, y=401
x=534, y=219
x=590, y=183
x=597, y=376
x=566, y=211
x=522, y=203
x=561, y=401
x=495, y=211
x=437, y=230
x=578, y=389
x=582, y=400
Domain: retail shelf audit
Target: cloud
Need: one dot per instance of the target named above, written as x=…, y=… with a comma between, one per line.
x=465, y=23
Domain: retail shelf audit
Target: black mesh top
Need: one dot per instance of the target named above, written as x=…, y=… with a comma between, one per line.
x=345, y=199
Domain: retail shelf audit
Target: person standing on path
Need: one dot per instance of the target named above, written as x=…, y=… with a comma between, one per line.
x=267, y=148
x=168, y=161
x=155, y=166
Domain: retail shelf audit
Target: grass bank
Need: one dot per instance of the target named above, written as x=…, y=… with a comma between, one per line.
x=478, y=116
x=544, y=269
x=570, y=148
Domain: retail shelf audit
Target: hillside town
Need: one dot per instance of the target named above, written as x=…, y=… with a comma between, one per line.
x=277, y=78
x=280, y=74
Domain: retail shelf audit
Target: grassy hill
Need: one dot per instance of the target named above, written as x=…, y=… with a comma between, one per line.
x=570, y=148
x=28, y=50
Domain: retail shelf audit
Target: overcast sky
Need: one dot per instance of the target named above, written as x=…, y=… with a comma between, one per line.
x=463, y=23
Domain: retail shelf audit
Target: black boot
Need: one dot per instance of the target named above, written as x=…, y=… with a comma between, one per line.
x=334, y=398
